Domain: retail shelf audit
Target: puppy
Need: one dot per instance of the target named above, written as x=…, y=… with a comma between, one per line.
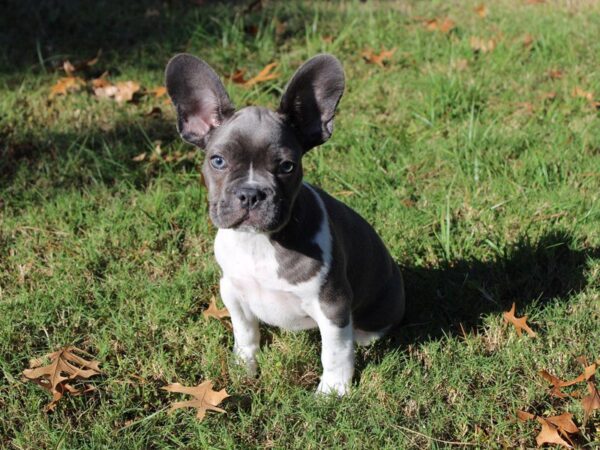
x=291, y=255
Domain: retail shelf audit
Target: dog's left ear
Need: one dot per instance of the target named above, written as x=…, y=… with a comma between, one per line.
x=311, y=97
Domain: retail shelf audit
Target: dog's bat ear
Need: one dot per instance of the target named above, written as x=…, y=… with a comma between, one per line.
x=199, y=96
x=311, y=98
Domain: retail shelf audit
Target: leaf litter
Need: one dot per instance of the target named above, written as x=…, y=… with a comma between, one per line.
x=205, y=398
x=67, y=365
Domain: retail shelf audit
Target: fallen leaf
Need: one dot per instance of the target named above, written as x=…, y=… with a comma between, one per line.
x=158, y=91
x=65, y=85
x=524, y=416
x=205, y=398
x=555, y=74
x=461, y=64
x=548, y=96
x=266, y=74
x=65, y=366
x=588, y=372
x=481, y=10
x=590, y=402
x=528, y=40
x=556, y=384
x=213, y=311
x=442, y=25
x=579, y=92
x=482, y=45
x=379, y=59
x=238, y=76
x=328, y=39
x=68, y=68
x=550, y=434
x=140, y=157
x=121, y=91
x=520, y=323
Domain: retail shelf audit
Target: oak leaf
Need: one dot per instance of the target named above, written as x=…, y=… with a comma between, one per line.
x=482, y=45
x=555, y=427
x=524, y=416
x=520, y=323
x=481, y=10
x=159, y=91
x=65, y=85
x=590, y=402
x=557, y=383
x=205, y=398
x=214, y=311
x=555, y=74
x=379, y=59
x=65, y=367
x=445, y=25
x=266, y=74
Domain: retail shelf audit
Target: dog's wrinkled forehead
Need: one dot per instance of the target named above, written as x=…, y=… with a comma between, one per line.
x=253, y=130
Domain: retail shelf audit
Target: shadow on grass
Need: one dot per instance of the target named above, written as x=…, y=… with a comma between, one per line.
x=43, y=33
x=78, y=159
x=453, y=299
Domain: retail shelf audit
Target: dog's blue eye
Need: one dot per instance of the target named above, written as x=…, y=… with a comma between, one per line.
x=218, y=162
x=287, y=167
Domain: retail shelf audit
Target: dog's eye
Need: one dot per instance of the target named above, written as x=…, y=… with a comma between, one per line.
x=287, y=167
x=218, y=162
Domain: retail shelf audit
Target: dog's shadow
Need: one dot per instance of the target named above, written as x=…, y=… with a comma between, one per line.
x=454, y=298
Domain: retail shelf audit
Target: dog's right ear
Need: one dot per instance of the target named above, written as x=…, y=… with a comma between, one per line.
x=199, y=96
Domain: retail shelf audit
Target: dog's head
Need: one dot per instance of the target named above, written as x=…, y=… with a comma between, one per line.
x=253, y=167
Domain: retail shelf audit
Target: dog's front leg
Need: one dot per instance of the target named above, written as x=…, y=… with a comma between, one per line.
x=245, y=327
x=337, y=357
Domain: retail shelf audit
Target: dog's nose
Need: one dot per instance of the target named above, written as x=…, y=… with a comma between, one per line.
x=250, y=197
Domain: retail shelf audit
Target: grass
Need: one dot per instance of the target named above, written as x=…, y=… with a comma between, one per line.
x=485, y=192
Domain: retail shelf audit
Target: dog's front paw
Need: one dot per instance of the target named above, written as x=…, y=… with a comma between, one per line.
x=333, y=385
x=246, y=357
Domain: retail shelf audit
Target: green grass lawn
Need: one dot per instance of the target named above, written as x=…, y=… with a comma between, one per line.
x=480, y=170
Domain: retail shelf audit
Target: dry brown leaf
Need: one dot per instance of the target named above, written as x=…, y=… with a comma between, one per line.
x=213, y=311
x=140, y=157
x=158, y=91
x=328, y=39
x=205, y=398
x=554, y=427
x=590, y=402
x=65, y=85
x=122, y=91
x=238, y=76
x=579, y=92
x=588, y=372
x=482, y=45
x=520, y=323
x=555, y=74
x=556, y=384
x=445, y=25
x=68, y=68
x=528, y=40
x=266, y=74
x=524, y=416
x=65, y=366
x=379, y=59
x=461, y=64
x=481, y=10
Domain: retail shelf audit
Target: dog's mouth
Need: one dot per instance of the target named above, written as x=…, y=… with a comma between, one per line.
x=262, y=220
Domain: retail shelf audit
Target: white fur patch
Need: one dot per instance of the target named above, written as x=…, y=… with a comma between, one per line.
x=252, y=290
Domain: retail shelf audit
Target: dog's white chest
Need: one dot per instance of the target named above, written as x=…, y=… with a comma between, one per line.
x=249, y=261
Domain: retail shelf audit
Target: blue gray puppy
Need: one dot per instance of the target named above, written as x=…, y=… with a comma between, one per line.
x=291, y=255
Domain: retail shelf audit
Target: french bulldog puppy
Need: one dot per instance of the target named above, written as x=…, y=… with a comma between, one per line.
x=291, y=255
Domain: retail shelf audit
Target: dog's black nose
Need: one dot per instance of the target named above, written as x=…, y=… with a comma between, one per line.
x=250, y=197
